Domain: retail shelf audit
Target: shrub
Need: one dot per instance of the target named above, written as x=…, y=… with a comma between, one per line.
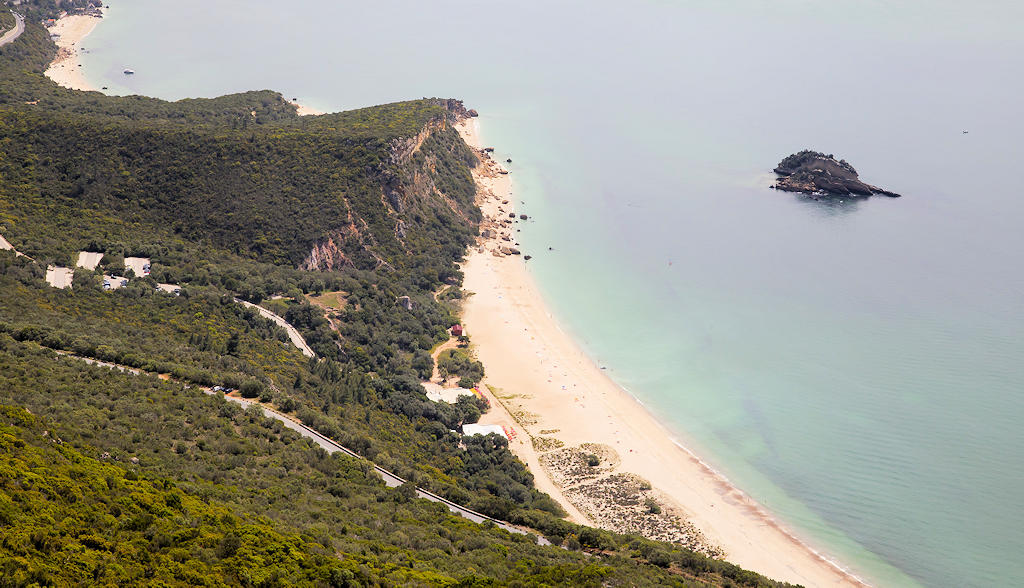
x=251, y=389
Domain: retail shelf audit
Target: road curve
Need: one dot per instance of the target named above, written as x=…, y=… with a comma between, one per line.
x=390, y=479
x=19, y=28
x=293, y=333
x=330, y=446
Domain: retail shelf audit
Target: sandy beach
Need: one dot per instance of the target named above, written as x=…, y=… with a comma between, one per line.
x=66, y=69
x=541, y=383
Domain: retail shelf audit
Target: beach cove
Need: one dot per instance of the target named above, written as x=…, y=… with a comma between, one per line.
x=66, y=68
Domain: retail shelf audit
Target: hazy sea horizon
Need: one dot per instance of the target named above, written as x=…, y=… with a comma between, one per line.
x=853, y=365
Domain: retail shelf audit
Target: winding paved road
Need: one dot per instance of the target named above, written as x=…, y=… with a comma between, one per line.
x=330, y=446
x=293, y=333
x=19, y=28
x=390, y=480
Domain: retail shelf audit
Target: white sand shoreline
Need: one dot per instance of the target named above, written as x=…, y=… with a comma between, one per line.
x=66, y=67
x=521, y=343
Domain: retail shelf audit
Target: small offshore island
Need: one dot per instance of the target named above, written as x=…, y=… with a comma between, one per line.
x=813, y=172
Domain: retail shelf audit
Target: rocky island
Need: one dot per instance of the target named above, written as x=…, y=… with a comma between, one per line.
x=811, y=172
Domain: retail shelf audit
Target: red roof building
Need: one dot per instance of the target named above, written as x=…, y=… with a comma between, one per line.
x=457, y=331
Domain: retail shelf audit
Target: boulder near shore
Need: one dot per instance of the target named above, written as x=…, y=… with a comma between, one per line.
x=812, y=172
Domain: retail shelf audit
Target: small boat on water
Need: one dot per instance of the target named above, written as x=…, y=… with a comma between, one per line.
x=129, y=72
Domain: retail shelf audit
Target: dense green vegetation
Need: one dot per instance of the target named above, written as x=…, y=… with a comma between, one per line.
x=457, y=362
x=205, y=338
x=138, y=479
x=69, y=518
x=132, y=475
x=132, y=178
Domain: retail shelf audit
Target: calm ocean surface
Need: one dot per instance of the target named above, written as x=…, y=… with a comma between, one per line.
x=858, y=367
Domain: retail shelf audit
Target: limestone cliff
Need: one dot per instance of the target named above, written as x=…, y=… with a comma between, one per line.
x=425, y=185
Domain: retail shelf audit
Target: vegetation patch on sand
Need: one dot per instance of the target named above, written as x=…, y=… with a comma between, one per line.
x=524, y=417
x=624, y=503
x=543, y=444
x=620, y=502
x=571, y=466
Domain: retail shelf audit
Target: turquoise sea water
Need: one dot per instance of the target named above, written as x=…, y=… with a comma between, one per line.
x=855, y=366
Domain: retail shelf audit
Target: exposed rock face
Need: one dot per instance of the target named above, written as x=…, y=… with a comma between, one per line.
x=408, y=190
x=811, y=172
x=456, y=109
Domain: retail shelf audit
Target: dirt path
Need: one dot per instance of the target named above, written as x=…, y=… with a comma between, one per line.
x=449, y=344
x=327, y=312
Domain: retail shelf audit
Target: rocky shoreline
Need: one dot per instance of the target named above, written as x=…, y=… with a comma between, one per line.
x=497, y=228
x=817, y=174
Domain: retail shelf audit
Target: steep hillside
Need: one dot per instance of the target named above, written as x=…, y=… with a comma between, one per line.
x=112, y=477
x=69, y=518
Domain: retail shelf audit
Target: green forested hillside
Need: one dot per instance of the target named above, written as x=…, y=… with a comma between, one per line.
x=290, y=188
x=121, y=479
x=69, y=518
x=134, y=478
x=206, y=338
x=240, y=175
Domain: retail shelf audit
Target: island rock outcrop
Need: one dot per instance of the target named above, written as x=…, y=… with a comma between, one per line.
x=811, y=172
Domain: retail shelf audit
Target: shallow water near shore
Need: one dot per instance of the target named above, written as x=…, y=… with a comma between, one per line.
x=853, y=365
